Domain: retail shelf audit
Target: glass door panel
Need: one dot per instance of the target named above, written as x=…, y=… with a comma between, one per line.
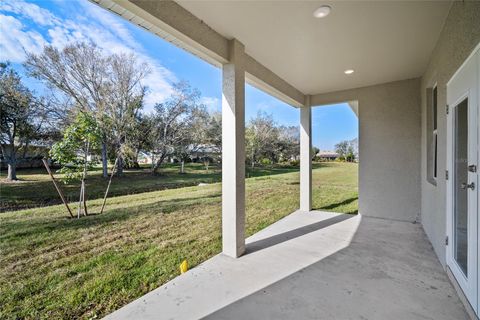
x=461, y=186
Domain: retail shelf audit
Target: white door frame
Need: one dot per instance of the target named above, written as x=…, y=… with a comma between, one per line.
x=465, y=84
x=477, y=50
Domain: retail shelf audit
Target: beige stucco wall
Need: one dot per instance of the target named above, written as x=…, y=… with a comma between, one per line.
x=389, y=144
x=460, y=35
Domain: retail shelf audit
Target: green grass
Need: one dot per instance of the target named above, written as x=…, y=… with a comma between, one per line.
x=35, y=189
x=53, y=267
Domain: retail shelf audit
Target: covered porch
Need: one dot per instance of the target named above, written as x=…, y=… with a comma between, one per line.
x=379, y=264
x=314, y=265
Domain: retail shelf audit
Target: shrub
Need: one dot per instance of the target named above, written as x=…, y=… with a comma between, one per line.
x=265, y=162
x=294, y=163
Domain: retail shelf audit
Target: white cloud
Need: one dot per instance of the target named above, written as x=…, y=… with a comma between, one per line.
x=117, y=38
x=91, y=24
x=60, y=37
x=30, y=11
x=14, y=40
x=109, y=22
x=212, y=103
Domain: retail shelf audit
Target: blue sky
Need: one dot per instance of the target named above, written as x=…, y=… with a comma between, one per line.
x=29, y=25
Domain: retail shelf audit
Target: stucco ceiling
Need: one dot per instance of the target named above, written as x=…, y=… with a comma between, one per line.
x=382, y=41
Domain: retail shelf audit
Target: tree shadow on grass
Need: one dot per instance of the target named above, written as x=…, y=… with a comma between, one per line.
x=33, y=194
x=42, y=193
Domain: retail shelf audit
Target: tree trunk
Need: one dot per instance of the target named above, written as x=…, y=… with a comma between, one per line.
x=136, y=165
x=120, y=166
x=104, y=160
x=12, y=171
x=82, y=202
x=153, y=162
x=157, y=165
x=108, y=186
x=182, y=167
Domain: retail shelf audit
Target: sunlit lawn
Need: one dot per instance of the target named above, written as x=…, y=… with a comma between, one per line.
x=53, y=267
x=35, y=189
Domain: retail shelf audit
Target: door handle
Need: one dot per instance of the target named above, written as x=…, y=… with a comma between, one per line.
x=467, y=186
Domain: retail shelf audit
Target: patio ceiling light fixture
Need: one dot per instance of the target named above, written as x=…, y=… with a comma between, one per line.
x=322, y=12
x=349, y=71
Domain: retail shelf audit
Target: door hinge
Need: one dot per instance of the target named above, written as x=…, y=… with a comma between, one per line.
x=446, y=240
x=446, y=174
x=447, y=108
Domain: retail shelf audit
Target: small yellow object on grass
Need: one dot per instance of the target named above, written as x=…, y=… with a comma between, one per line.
x=184, y=266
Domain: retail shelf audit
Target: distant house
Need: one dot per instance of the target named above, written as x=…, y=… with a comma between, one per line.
x=327, y=155
x=144, y=158
x=201, y=153
x=206, y=152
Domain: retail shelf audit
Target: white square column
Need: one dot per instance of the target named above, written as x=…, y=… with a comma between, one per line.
x=233, y=152
x=306, y=157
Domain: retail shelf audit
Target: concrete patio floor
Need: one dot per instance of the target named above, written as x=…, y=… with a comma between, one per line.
x=313, y=265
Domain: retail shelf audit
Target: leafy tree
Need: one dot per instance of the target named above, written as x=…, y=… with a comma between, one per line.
x=315, y=151
x=261, y=135
x=288, y=145
x=214, y=131
x=350, y=157
x=171, y=120
x=194, y=136
x=342, y=148
x=354, y=148
x=267, y=142
x=126, y=96
x=212, y=139
x=22, y=118
x=79, y=142
x=347, y=150
x=138, y=138
x=74, y=152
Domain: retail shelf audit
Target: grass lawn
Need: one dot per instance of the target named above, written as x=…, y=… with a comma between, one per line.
x=53, y=267
x=35, y=189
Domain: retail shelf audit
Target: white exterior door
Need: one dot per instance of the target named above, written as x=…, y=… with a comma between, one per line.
x=463, y=167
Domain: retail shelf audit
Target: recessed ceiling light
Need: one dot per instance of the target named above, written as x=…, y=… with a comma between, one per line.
x=322, y=12
x=349, y=71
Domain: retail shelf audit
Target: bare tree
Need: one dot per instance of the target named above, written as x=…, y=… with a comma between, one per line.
x=80, y=71
x=110, y=86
